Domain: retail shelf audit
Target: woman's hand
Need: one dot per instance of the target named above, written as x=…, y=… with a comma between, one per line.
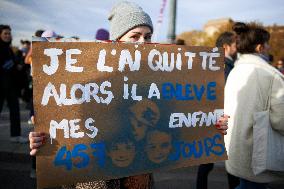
x=222, y=124
x=37, y=139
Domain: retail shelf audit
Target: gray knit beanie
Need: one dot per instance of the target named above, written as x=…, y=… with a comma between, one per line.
x=125, y=16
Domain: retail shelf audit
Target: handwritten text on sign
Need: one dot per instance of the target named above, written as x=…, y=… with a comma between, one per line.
x=113, y=110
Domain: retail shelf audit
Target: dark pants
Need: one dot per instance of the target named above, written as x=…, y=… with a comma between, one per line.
x=233, y=181
x=202, y=177
x=33, y=162
x=9, y=92
x=245, y=184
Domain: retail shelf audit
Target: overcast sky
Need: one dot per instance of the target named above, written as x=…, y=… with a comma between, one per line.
x=83, y=17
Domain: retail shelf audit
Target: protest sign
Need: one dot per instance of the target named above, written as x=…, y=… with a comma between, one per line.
x=112, y=110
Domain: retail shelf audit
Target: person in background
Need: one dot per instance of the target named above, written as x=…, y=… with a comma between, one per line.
x=280, y=65
x=28, y=58
x=49, y=33
x=102, y=34
x=75, y=37
x=24, y=73
x=270, y=59
x=180, y=42
x=128, y=23
x=28, y=61
x=8, y=83
x=227, y=40
x=248, y=87
x=26, y=44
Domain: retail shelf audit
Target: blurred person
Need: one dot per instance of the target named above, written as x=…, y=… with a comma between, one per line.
x=76, y=38
x=28, y=58
x=28, y=61
x=128, y=23
x=38, y=33
x=8, y=83
x=270, y=59
x=226, y=40
x=25, y=46
x=180, y=42
x=49, y=33
x=102, y=34
x=280, y=65
x=248, y=87
x=24, y=74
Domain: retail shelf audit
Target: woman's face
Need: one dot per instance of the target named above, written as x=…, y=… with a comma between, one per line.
x=139, y=34
x=231, y=50
x=122, y=154
x=6, y=35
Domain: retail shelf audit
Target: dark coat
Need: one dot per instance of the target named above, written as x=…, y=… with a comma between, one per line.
x=229, y=65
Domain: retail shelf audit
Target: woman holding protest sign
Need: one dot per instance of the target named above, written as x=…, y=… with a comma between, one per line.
x=128, y=23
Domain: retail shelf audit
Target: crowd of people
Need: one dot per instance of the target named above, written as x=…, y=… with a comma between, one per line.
x=250, y=81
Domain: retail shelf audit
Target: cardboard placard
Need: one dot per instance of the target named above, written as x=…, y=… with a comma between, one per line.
x=112, y=110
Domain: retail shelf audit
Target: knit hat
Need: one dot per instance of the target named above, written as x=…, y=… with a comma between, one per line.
x=125, y=16
x=102, y=34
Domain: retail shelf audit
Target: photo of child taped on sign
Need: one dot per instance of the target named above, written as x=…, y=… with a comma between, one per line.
x=151, y=134
x=144, y=114
x=121, y=151
x=158, y=146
